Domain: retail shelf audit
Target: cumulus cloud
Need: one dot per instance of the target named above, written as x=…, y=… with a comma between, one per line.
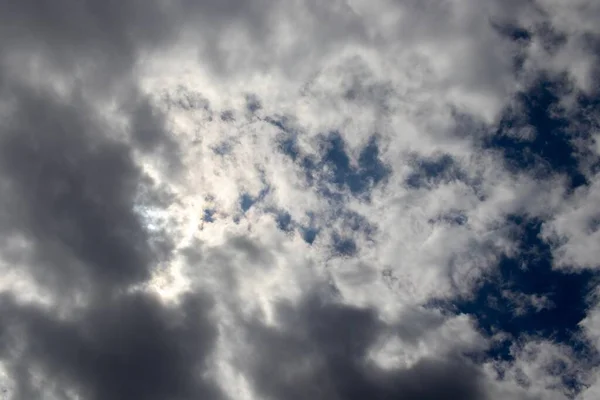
x=256, y=199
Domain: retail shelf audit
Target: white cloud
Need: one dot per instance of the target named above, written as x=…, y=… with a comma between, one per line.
x=574, y=230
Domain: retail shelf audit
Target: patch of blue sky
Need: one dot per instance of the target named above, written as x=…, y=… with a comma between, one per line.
x=350, y=224
x=223, y=148
x=430, y=172
x=530, y=272
x=550, y=149
x=553, y=147
x=332, y=172
x=246, y=200
x=208, y=215
x=343, y=246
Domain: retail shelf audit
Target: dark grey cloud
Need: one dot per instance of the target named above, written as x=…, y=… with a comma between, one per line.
x=149, y=132
x=92, y=47
x=104, y=40
x=127, y=347
x=69, y=191
x=96, y=46
x=100, y=40
x=320, y=351
x=70, y=184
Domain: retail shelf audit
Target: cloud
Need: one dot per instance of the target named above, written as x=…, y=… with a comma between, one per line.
x=574, y=230
x=126, y=346
x=320, y=351
x=70, y=192
x=248, y=199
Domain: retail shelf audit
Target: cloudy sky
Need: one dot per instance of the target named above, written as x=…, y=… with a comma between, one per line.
x=300, y=199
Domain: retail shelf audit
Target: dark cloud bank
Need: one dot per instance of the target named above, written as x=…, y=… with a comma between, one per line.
x=321, y=353
x=69, y=187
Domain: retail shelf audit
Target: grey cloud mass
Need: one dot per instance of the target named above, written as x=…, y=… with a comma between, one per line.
x=128, y=346
x=69, y=195
x=321, y=351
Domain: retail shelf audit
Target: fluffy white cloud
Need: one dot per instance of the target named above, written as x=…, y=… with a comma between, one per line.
x=575, y=230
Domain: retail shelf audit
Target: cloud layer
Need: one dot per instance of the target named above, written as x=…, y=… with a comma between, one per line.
x=256, y=199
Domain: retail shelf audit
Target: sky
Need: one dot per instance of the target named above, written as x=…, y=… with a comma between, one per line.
x=290, y=200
